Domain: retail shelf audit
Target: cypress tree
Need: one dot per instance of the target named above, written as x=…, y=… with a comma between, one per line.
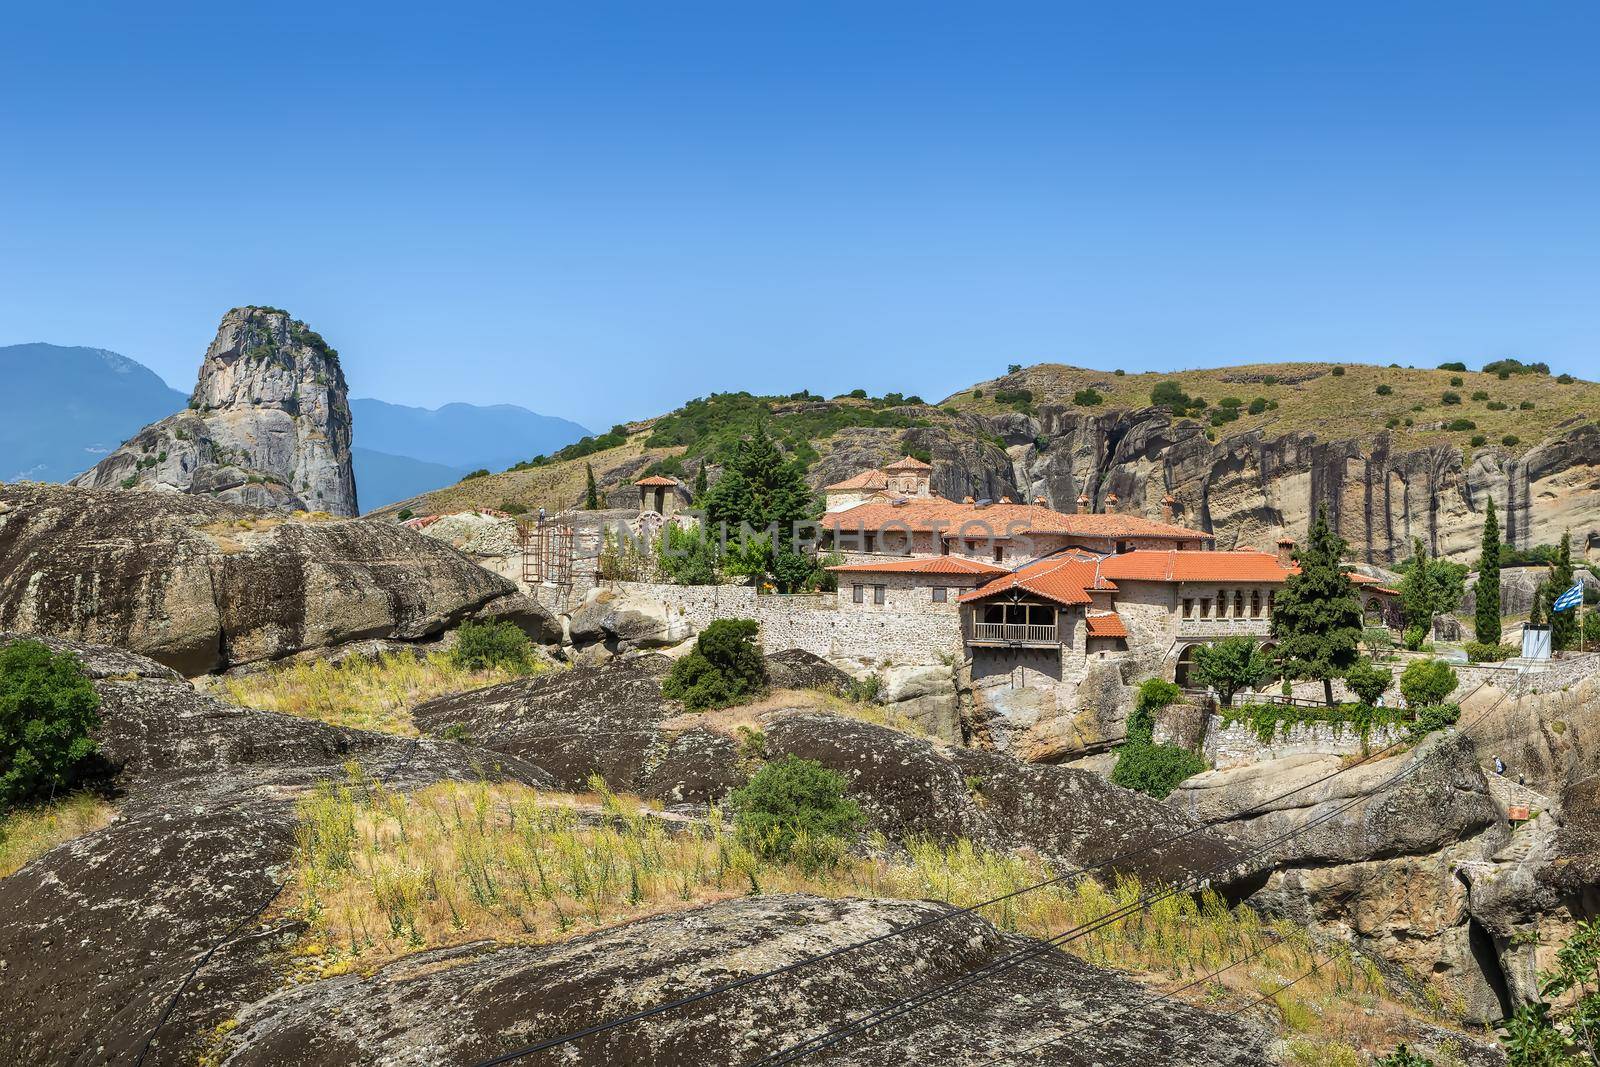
x=1316, y=616
x=591, y=496
x=700, y=483
x=1486, y=618
x=1563, y=624
x=1536, y=612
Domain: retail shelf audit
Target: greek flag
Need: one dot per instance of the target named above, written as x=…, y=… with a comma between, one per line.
x=1570, y=599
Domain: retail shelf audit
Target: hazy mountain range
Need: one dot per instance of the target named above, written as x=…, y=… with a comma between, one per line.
x=66, y=407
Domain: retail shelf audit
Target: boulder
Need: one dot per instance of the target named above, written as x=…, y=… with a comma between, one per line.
x=473, y=1003
x=926, y=694
x=795, y=668
x=200, y=585
x=268, y=424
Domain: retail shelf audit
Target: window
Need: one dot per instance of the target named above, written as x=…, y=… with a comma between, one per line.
x=1238, y=603
x=856, y=594
x=998, y=553
x=1205, y=607
x=878, y=593
x=1255, y=603
x=870, y=542
x=941, y=595
x=1188, y=606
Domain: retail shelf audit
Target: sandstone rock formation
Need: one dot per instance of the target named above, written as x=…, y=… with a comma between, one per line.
x=612, y=721
x=201, y=586
x=98, y=934
x=268, y=424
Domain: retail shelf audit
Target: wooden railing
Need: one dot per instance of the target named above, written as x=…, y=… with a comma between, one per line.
x=1015, y=633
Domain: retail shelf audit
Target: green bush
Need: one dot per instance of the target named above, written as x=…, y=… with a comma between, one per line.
x=1458, y=425
x=794, y=809
x=1511, y=440
x=1454, y=366
x=1367, y=681
x=1431, y=717
x=482, y=645
x=1338, y=372
x=1480, y=395
x=1427, y=681
x=1404, y=1057
x=1414, y=638
x=405, y=513
x=1478, y=652
x=1385, y=390
x=1450, y=398
x=1455, y=381
x=725, y=668
x=1479, y=440
x=1087, y=398
x=47, y=710
x=1154, y=769
x=1258, y=405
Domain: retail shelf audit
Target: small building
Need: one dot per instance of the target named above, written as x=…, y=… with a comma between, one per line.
x=662, y=495
x=907, y=477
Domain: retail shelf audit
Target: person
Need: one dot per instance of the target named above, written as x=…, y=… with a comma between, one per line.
x=1499, y=766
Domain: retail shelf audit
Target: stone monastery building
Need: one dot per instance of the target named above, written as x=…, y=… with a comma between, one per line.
x=1037, y=594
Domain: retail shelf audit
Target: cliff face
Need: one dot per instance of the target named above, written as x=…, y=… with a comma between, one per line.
x=1250, y=488
x=268, y=424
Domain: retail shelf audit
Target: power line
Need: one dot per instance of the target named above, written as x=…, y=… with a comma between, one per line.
x=903, y=1006
x=1260, y=807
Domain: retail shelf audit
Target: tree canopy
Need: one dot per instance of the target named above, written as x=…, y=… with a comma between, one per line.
x=1430, y=587
x=47, y=709
x=1316, y=616
x=1229, y=665
x=1486, y=612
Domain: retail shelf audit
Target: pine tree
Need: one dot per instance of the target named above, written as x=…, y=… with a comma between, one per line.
x=1430, y=587
x=591, y=496
x=1486, y=619
x=1536, y=611
x=1316, y=616
x=761, y=489
x=1563, y=624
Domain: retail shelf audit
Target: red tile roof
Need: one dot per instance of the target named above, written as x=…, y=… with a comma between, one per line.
x=1108, y=625
x=996, y=519
x=873, y=479
x=924, y=565
x=1063, y=579
x=1153, y=566
x=656, y=479
x=909, y=463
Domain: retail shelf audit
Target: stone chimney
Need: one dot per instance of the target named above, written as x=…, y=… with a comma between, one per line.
x=1168, y=506
x=1286, y=552
x=1111, y=503
x=1083, y=503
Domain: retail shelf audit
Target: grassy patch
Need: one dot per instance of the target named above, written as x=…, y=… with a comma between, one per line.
x=379, y=874
x=28, y=833
x=365, y=694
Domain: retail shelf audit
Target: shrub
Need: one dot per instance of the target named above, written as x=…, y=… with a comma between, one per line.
x=1013, y=368
x=1480, y=395
x=1385, y=390
x=1565, y=379
x=1258, y=405
x=47, y=709
x=1119, y=372
x=1169, y=394
x=1087, y=398
x=1478, y=652
x=1431, y=717
x=1404, y=1057
x=1511, y=440
x=1450, y=398
x=1414, y=637
x=481, y=472
x=1338, y=372
x=482, y=645
x=792, y=805
x=1496, y=405
x=405, y=513
x=1478, y=440
x=1368, y=682
x=1526, y=405
x=1427, y=681
x=1153, y=769
x=725, y=667
x=1454, y=366
x=1458, y=425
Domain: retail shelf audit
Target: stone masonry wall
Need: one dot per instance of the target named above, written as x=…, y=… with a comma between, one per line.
x=1238, y=744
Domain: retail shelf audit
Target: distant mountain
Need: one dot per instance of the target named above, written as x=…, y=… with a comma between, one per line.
x=383, y=479
x=460, y=435
x=63, y=409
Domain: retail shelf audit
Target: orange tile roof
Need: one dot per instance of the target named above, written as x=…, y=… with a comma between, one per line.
x=924, y=565
x=1108, y=625
x=656, y=479
x=909, y=463
x=873, y=479
x=1063, y=579
x=1174, y=566
x=996, y=519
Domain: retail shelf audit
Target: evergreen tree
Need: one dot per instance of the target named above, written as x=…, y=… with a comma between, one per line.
x=1229, y=665
x=1316, y=616
x=591, y=494
x=1536, y=611
x=700, y=483
x=760, y=488
x=1486, y=618
x=1563, y=624
x=1430, y=587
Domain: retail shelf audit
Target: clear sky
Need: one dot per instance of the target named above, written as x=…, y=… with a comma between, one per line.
x=599, y=210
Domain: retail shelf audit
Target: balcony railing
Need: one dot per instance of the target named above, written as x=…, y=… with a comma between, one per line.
x=1015, y=633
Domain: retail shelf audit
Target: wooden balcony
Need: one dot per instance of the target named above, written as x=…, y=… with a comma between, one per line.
x=1013, y=633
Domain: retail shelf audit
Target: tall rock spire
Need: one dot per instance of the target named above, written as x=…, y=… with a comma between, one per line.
x=268, y=424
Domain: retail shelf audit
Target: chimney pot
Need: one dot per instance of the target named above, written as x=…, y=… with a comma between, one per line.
x=1083, y=504
x=1039, y=500
x=1111, y=502
x=1005, y=500
x=1286, y=551
x=1168, y=505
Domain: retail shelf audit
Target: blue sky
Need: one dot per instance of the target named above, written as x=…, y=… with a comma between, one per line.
x=599, y=210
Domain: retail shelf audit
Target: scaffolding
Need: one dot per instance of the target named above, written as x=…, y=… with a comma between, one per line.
x=546, y=553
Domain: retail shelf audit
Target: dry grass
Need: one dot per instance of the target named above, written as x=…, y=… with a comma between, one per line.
x=1342, y=406
x=366, y=694
x=28, y=833
x=380, y=874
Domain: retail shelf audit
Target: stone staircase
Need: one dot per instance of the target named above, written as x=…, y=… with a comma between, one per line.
x=1525, y=834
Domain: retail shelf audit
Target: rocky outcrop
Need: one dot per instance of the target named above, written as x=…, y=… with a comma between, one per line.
x=1049, y=724
x=612, y=721
x=471, y=1004
x=201, y=586
x=97, y=935
x=268, y=424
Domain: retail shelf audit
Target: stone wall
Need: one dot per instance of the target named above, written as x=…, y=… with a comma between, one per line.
x=1238, y=745
x=814, y=622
